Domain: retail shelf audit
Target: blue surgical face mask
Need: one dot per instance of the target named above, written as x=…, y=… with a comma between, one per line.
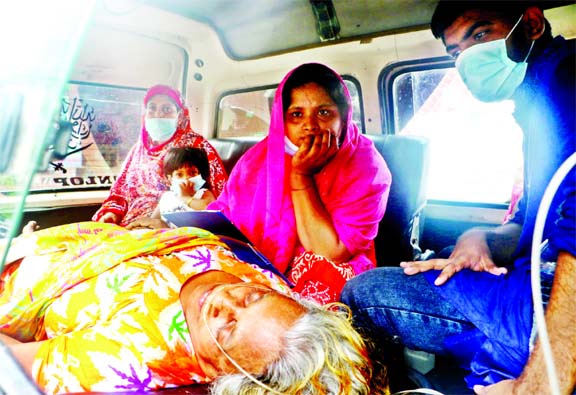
x=488, y=72
x=160, y=129
x=289, y=147
x=198, y=181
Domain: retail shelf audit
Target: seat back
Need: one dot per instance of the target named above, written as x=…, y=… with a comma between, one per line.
x=398, y=236
x=231, y=149
x=407, y=158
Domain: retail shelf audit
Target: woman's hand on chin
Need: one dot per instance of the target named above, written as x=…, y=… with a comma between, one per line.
x=315, y=152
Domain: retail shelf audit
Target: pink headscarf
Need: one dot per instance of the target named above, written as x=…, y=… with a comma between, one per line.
x=164, y=90
x=183, y=125
x=354, y=187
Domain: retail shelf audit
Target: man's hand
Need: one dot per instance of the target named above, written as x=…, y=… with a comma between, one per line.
x=314, y=152
x=504, y=387
x=471, y=252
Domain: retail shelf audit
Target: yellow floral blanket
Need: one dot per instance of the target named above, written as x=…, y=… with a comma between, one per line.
x=106, y=302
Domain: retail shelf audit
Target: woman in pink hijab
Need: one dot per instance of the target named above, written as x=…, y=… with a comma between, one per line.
x=165, y=125
x=310, y=196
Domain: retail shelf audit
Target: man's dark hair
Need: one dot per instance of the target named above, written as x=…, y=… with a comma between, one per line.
x=323, y=76
x=178, y=157
x=447, y=11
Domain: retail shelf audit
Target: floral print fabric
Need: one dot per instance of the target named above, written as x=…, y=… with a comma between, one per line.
x=319, y=279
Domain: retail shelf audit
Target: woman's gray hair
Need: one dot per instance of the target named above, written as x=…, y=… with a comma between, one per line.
x=322, y=354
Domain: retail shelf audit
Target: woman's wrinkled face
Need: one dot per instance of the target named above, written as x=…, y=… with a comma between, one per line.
x=311, y=111
x=161, y=106
x=248, y=320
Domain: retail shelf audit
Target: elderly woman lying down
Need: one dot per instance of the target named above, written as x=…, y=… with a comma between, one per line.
x=95, y=307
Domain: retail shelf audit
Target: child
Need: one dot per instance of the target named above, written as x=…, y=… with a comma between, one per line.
x=186, y=169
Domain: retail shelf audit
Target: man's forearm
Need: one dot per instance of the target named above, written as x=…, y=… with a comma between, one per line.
x=561, y=326
x=502, y=242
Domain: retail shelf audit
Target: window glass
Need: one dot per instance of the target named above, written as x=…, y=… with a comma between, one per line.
x=247, y=113
x=36, y=59
x=475, y=147
x=104, y=123
x=354, y=88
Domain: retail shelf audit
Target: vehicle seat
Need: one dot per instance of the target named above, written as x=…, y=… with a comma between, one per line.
x=407, y=158
x=231, y=149
x=399, y=232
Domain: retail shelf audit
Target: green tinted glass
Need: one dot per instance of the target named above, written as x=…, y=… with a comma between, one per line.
x=37, y=58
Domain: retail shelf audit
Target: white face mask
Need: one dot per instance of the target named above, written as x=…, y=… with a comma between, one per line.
x=488, y=72
x=160, y=129
x=289, y=147
x=198, y=181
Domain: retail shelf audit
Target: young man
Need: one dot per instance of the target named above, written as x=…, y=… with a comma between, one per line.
x=477, y=304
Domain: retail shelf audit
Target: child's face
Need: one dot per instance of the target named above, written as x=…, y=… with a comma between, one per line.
x=185, y=172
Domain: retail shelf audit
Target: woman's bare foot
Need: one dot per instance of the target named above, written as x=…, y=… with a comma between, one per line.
x=30, y=227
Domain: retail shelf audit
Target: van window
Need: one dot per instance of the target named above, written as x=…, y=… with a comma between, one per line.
x=476, y=147
x=247, y=112
x=105, y=123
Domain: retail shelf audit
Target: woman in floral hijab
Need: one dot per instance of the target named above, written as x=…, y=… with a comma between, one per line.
x=165, y=125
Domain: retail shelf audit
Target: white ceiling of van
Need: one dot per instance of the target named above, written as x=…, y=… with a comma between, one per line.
x=254, y=28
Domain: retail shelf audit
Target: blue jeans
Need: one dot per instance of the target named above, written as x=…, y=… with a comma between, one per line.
x=387, y=302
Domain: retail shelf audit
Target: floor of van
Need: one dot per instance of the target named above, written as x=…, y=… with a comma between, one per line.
x=446, y=377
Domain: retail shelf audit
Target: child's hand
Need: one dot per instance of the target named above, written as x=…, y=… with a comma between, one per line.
x=187, y=189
